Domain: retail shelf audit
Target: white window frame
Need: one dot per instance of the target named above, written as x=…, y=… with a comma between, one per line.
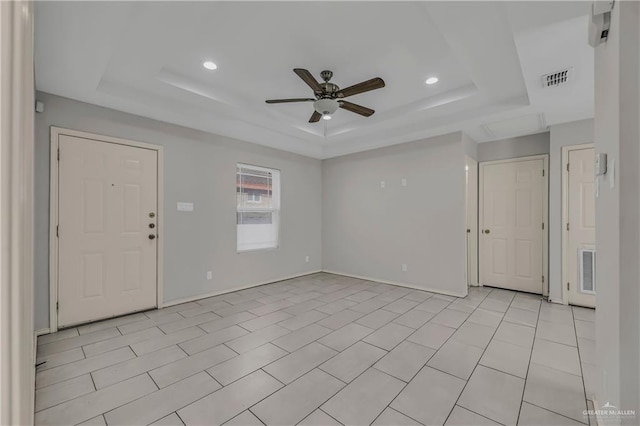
x=255, y=198
x=274, y=209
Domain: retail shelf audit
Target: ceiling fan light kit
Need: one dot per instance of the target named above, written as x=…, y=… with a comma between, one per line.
x=326, y=106
x=329, y=97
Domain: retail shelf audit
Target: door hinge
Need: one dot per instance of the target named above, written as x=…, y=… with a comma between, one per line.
x=58, y=231
x=58, y=154
x=542, y=172
x=567, y=286
x=57, y=306
x=543, y=226
x=567, y=226
x=543, y=279
x=567, y=166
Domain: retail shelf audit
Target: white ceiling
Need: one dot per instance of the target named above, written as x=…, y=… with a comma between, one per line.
x=146, y=58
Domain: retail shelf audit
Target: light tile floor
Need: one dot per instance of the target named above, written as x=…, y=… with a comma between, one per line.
x=321, y=350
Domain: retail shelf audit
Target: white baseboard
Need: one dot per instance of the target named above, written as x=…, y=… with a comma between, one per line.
x=218, y=293
x=399, y=284
x=42, y=331
x=231, y=290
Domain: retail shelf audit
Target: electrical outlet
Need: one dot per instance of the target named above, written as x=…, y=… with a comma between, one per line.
x=404, y=267
x=209, y=275
x=306, y=259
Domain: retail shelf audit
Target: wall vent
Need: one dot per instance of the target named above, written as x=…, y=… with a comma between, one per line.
x=587, y=259
x=556, y=79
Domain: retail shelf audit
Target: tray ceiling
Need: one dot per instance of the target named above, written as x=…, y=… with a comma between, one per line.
x=146, y=58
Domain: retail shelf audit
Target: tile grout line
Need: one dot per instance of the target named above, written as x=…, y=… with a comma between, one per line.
x=249, y=410
x=526, y=376
x=402, y=297
x=483, y=351
x=319, y=408
x=427, y=361
x=584, y=387
x=553, y=368
x=274, y=378
x=417, y=372
x=209, y=374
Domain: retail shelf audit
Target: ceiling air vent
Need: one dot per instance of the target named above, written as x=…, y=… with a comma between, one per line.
x=556, y=79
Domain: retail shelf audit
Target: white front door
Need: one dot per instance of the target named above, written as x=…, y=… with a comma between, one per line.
x=582, y=231
x=107, y=202
x=511, y=227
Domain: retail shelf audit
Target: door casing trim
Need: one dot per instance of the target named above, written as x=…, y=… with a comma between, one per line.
x=545, y=212
x=564, y=273
x=56, y=132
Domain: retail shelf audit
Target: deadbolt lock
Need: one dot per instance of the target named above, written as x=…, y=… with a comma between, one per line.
x=486, y=231
x=152, y=236
x=152, y=214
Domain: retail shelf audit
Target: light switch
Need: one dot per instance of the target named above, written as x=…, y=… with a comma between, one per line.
x=185, y=207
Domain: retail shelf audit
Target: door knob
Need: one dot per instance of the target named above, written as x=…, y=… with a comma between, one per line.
x=152, y=236
x=486, y=231
x=152, y=225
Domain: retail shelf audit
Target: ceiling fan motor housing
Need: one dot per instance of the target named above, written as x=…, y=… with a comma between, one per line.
x=329, y=89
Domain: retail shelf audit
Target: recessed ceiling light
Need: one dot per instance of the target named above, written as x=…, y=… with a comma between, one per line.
x=209, y=65
x=432, y=80
x=326, y=117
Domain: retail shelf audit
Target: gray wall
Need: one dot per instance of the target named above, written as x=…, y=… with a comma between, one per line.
x=199, y=167
x=470, y=146
x=371, y=231
x=574, y=133
x=617, y=133
x=522, y=146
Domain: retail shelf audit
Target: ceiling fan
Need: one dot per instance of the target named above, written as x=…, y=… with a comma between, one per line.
x=329, y=97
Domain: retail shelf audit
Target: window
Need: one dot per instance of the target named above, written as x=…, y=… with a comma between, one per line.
x=258, y=207
x=254, y=198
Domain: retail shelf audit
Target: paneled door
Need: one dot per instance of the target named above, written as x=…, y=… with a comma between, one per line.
x=581, y=228
x=107, y=213
x=511, y=225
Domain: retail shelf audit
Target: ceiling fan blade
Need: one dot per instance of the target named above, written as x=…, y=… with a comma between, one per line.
x=358, y=109
x=306, y=76
x=315, y=117
x=282, y=101
x=365, y=86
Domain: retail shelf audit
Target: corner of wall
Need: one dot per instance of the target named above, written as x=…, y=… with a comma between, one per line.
x=470, y=146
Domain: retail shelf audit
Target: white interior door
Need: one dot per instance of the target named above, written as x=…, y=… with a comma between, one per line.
x=107, y=251
x=511, y=229
x=582, y=231
x=471, y=167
